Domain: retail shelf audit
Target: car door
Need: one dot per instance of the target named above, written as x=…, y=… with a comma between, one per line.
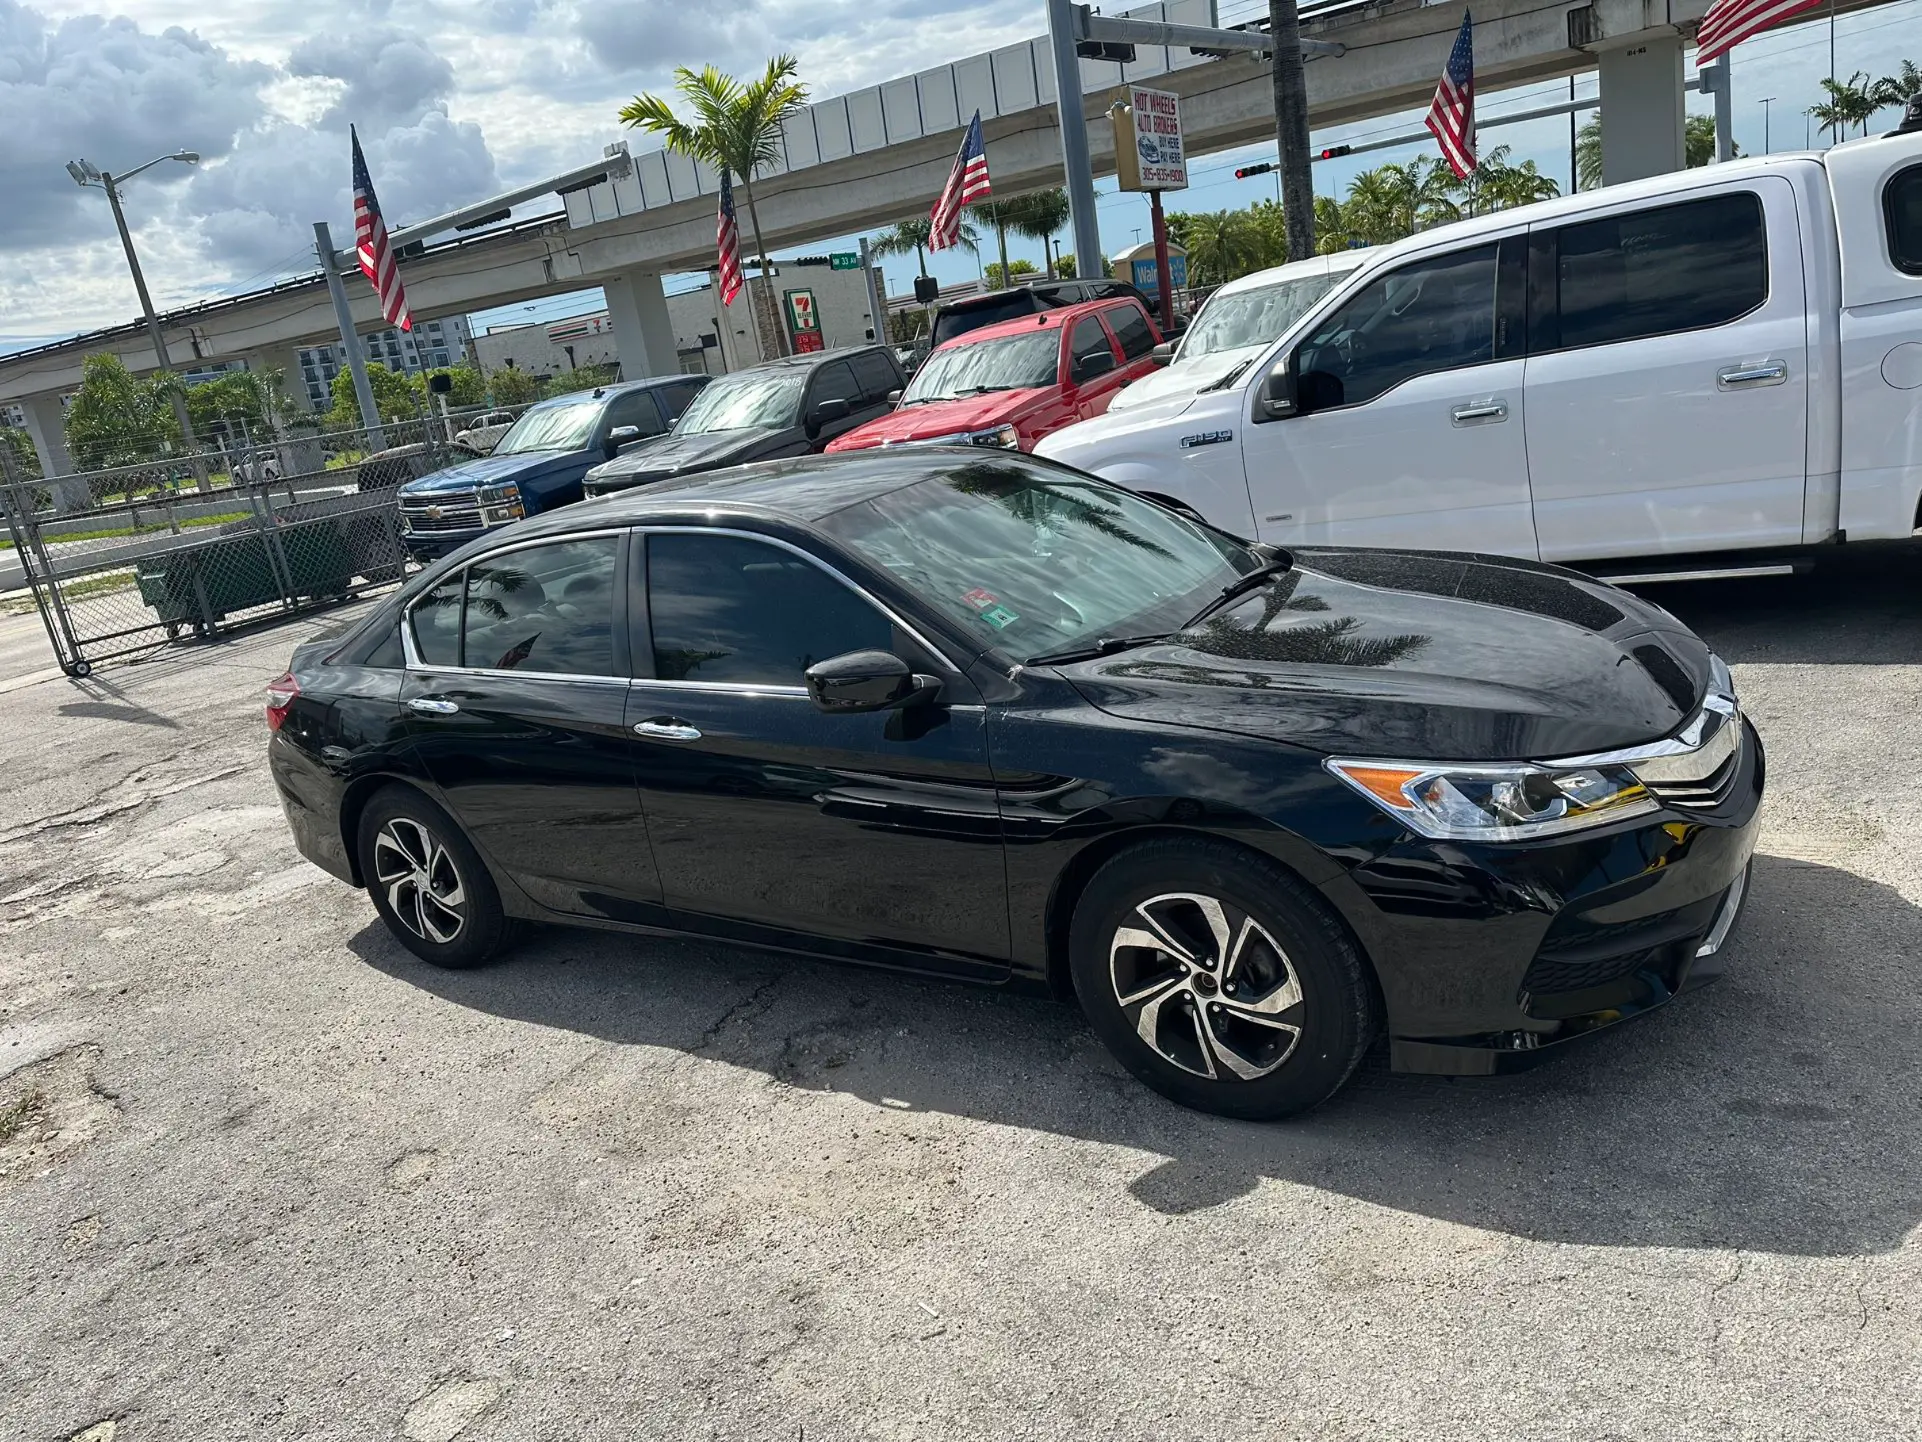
x=1667, y=377
x=872, y=836
x=1408, y=428
x=1089, y=397
x=833, y=381
x=515, y=701
x=879, y=378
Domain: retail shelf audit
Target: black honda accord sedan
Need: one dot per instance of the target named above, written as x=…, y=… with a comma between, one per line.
x=989, y=718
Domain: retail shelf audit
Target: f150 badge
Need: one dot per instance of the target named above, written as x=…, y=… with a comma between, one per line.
x=1206, y=438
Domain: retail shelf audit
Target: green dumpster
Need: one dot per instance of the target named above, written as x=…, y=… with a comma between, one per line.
x=201, y=584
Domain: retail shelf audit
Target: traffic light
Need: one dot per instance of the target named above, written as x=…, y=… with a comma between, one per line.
x=1333, y=151
x=810, y=260
x=1120, y=54
x=926, y=289
x=1248, y=170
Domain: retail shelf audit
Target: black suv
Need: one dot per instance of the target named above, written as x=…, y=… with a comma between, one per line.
x=784, y=408
x=958, y=317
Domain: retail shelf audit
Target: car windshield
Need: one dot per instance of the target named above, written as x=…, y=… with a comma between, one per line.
x=738, y=402
x=1252, y=317
x=1017, y=362
x=1033, y=560
x=566, y=427
x=990, y=310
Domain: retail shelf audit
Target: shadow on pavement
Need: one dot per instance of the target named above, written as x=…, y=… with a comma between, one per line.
x=1777, y=1111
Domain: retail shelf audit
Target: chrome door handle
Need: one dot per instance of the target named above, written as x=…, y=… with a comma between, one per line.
x=1768, y=373
x=1484, y=411
x=668, y=730
x=433, y=706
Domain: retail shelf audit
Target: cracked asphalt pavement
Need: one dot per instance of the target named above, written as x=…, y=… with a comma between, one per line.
x=264, y=1175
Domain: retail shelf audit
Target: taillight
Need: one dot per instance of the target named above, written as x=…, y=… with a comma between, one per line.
x=281, y=695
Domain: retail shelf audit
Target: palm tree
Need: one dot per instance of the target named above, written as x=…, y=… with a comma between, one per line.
x=1036, y=215
x=912, y=235
x=1698, y=148
x=1897, y=89
x=1496, y=185
x=1851, y=102
x=1392, y=201
x=1221, y=245
x=1332, y=231
x=736, y=129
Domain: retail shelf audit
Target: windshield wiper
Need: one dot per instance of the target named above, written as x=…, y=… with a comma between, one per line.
x=1105, y=646
x=979, y=390
x=1227, y=380
x=1248, y=581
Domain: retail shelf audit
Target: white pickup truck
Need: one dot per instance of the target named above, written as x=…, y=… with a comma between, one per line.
x=1718, y=368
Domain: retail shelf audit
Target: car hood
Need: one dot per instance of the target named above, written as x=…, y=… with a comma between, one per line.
x=1419, y=656
x=1181, y=378
x=490, y=470
x=673, y=455
x=1093, y=442
x=943, y=418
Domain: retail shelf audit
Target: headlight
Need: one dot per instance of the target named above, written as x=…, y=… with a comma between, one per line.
x=1497, y=803
x=1003, y=436
x=500, y=503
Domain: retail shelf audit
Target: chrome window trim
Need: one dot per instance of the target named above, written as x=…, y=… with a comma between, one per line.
x=656, y=683
x=414, y=663
x=808, y=556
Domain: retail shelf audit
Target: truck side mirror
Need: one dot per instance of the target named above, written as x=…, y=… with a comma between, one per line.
x=618, y=437
x=1090, y=364
x=1163, y=353
x=1277, y=400
x=826, y=413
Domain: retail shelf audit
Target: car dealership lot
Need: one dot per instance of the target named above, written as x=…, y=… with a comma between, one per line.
x=279, y=1179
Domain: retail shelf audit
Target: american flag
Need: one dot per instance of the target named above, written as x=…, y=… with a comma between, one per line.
x=967, y=183
x=370, y=245
x=1452, y=116
x=727, y=235
x=1730, y=22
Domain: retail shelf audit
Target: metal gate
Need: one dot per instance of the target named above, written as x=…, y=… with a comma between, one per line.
x=141, y=556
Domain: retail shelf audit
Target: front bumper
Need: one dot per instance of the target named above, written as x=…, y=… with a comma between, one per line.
x=1492, y=959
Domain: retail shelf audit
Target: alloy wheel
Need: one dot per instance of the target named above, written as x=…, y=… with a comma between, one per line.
x=422, y=883
x=1206, y=986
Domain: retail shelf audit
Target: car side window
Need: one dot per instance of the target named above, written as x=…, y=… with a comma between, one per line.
x=875, y=376
x=1658, y=271
x=742, y=612
x=1131, y=329
x=675, y=399
x=1902, y=213
x=435, y=618
x=1433, y=315
x=1088, y=335
x=637, y=409
x=547, y=609
x=834, y=381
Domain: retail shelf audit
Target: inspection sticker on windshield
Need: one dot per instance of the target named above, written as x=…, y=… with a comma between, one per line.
x=980, y=599
x=999, y=617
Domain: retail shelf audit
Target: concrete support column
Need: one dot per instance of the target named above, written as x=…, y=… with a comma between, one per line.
x=1642, y=112
x=46, y=424
x=643, y=334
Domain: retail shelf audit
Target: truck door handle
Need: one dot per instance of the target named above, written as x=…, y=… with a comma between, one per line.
x=1768, y=373
x=433, y=706
x=668, y=728
x=1483, y=411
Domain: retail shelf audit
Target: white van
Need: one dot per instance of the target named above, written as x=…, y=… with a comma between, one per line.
x=1238, y=323
x=1727, y=359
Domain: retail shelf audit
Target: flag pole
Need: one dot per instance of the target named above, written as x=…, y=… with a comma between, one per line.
x=349, y=342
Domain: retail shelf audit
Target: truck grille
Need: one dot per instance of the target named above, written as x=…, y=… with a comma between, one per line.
x=443, y=513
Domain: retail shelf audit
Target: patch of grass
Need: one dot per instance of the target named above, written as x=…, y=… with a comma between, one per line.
x=14, y=1118
x=6, y=543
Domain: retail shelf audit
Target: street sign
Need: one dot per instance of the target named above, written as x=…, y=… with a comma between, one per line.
x=844, y=260
x=1149, y=151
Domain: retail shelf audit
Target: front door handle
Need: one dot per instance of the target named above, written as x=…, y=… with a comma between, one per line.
x=433, y=706
x=1481, y=413
x=668, y=728
x=1766, y=373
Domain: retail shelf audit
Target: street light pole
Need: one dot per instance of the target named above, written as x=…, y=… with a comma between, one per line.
x=1765, y=122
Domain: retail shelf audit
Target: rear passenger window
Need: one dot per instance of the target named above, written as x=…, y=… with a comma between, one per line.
x=1902, y=210
x=1654, y=272
x=1131, y=329
x=544, y=609
x=436, y=622
x=1088, y=336
x=834, y=382
x=875, y=376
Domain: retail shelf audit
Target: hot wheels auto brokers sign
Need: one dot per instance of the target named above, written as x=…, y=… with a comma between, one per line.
x=1158, y=142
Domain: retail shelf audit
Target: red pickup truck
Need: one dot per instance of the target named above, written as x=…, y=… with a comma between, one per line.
x=1011, y=384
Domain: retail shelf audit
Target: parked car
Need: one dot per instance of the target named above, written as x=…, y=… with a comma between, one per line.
x=1240, y=320
x=1011, y=384
x=787, y=407
x=971, y=312
x=979, y=716
x=395, y=466
x=538, y=465
x=1716, y=369
x=481, y=434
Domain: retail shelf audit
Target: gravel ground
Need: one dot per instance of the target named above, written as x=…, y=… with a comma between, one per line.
x=266, y=1176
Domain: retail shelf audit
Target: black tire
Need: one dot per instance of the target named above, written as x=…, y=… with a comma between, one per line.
x=1161, y=890
x=427, y=882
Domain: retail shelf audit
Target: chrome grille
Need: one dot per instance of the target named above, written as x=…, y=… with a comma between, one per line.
x=444, y=513
x=1695, y=769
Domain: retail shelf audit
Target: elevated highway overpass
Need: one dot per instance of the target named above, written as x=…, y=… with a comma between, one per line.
x=864, y=160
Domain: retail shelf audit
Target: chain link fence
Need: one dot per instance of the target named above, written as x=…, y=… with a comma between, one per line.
x=121, y=561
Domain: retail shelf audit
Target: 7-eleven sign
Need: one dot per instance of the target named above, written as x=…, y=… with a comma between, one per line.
x=804, y=322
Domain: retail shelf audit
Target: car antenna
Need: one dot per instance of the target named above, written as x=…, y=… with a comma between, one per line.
x=599, y=392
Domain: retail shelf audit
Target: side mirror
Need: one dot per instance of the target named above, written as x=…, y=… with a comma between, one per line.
x=1091, y=364
x=1276, y=399
x=868, y=681
x=619, y=437
x=826, y=413
x=1163, y=353
x=894, y=397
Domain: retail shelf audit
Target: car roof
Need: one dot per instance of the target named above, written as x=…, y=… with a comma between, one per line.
x=810, y=358
x=1054, y=319
x=1335, y=263
x=611, y=388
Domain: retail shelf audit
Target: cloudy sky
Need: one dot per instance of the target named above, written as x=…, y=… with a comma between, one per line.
x=456, y=99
